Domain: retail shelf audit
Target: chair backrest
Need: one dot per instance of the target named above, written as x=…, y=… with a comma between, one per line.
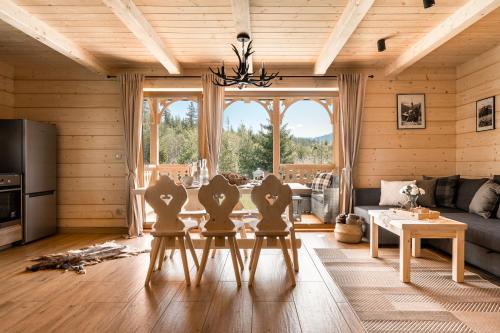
x=167, y=200
x=219, y=199
x=272, y=198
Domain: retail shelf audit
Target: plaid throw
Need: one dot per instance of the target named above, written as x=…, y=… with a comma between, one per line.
x=446, y=189
x=321, y=181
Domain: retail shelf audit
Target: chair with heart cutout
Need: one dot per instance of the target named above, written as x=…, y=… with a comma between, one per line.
x=166, y=198
x=219, y=199
x=272, y=199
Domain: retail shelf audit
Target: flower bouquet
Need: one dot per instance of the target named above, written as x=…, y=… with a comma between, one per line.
x=412, y=193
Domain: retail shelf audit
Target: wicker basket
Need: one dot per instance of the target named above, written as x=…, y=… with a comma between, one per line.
x=348, y=233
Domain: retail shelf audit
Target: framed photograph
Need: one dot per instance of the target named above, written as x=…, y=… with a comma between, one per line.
x=411, y=111
x=485, y=114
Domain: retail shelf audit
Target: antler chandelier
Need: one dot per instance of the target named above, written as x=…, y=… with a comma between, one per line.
x=242, y=76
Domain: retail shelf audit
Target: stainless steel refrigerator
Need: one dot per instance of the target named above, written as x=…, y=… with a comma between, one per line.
x=29, y=148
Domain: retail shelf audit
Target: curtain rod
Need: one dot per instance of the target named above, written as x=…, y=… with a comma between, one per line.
x=371, y=76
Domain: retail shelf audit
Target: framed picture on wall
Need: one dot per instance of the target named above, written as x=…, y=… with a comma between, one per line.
x=485, y=114
x=411, y=111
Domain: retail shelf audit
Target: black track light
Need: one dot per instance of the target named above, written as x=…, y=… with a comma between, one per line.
x=429, y=3
x=381, y=45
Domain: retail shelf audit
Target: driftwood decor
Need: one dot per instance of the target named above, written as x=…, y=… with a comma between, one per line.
x=77, y=260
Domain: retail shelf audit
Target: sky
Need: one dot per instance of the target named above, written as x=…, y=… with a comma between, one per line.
x=306, y=119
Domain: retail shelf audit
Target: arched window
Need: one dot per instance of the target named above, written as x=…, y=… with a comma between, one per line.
x=178, y=133
x=307, y=133
x=247, y=139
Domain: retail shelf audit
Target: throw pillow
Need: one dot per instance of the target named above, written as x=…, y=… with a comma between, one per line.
x=466, y=190
x=321, y=181
x=446, y=189
x=485, y=199
x=389, y=192
x=429, y=186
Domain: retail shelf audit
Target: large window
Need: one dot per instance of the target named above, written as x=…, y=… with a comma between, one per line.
x=178, y=133
x=307, y=132
x=170, y=131
x=247, y=139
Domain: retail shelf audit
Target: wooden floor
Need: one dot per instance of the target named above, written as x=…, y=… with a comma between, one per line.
x=111, y=296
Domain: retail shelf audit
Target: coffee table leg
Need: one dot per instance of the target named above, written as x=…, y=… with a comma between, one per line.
x=373, y=238
x=458, y=257
x=415, y=247
x=404, y=256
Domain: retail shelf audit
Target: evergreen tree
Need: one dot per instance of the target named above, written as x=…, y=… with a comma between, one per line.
x=192, y=115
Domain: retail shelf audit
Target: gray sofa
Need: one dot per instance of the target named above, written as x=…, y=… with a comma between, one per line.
x=325, y=204
x=482, y=238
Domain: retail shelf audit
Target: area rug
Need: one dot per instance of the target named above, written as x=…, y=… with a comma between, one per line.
x=432, y=302
x=76, y=260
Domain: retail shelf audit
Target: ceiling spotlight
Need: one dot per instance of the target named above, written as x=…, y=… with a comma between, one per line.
x=429, y=3
x=381, y=45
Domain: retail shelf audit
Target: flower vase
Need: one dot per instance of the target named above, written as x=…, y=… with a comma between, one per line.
x=413, y=201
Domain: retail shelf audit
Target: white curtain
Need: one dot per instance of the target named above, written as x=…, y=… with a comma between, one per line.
x=132, y=100
x=213, y=108
x=351, y=97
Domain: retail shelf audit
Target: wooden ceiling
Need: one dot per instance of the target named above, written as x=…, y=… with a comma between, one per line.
x=199, y=32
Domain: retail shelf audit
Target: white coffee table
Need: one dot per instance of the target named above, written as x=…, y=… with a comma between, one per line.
x=411, y=231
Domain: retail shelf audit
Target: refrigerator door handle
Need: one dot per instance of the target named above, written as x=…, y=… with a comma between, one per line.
x=39, y=194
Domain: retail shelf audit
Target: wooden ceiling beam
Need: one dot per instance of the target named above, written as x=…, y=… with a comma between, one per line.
x=135, y=21
x=22, y=20
x=241, y=18
x=463, y=18
x=352, y=15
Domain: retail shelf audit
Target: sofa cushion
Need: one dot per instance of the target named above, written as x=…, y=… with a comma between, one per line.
x=447, y=210
x=366, y=196
x=322, y=180
x=390, y=192
x=429, y=186
x=485, y=200
x=446, y=190
x=480, y=231
x=466, y=190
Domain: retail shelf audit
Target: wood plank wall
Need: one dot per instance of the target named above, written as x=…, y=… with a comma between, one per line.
x=6, y=91
x=478, y=153
x=90, y=162
x=391, y=154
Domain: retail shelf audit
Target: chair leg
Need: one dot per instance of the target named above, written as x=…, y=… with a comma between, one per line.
x=155, y=246
x=214, y=251
x=243, y=235
x=191, y=249
x=288, y=262
x=252, y=254
x=182, y=248
x=172, y=252
x=238, y=254
x=161, y=257
x=255, y=259
x=232, y=249
x=204, y=258
x=293, y=241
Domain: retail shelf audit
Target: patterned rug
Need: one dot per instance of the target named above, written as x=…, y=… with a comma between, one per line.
x=433, y=302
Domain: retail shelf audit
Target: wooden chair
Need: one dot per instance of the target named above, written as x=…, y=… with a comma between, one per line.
x=272, y=199
x=219, y=199
x=167, y=199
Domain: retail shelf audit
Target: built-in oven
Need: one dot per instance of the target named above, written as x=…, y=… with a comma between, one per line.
x=10, y=200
